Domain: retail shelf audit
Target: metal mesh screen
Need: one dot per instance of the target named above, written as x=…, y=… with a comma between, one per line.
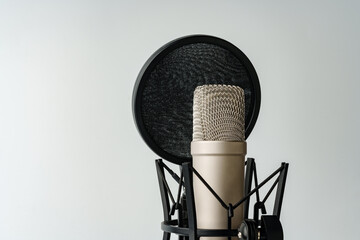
x=219, y=113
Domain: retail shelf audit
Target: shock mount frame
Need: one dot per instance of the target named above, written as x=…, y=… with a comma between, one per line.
x=185, y=227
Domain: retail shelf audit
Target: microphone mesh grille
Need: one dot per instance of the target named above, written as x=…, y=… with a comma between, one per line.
x=219, y=113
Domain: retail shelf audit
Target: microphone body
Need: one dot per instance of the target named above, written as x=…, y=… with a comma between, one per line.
x=222, y=165
x=218, y=149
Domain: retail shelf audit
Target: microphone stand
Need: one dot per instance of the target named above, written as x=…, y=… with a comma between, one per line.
x=266, y=228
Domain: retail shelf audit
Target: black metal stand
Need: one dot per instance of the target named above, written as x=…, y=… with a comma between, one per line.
x=268, y=227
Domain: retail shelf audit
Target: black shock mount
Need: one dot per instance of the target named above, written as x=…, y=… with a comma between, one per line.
x=261, y=226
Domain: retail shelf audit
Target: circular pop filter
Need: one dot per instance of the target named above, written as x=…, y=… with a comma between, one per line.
x=163, y=93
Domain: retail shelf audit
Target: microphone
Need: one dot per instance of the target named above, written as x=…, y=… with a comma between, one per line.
x=218, y=150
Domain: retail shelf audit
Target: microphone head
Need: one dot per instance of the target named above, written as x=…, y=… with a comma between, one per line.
x=219, y=113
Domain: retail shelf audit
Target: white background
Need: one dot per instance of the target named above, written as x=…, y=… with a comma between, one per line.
x=72, y=164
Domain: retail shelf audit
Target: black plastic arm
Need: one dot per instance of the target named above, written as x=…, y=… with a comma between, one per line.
x=164, y=195
x=280, y=190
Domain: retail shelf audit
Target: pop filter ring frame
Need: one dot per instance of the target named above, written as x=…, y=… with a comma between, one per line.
x=155, y=58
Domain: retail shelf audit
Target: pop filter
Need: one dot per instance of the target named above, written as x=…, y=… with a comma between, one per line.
x=163, y=94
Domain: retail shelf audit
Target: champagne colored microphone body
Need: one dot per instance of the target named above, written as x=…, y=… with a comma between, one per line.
x=218, y=149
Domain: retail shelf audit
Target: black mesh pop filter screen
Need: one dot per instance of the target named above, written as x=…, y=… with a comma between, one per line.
x=163, y=93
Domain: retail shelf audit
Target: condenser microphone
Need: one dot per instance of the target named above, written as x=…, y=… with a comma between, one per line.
x=218, y=150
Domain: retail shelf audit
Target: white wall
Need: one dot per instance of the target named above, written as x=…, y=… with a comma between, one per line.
x=72, y=164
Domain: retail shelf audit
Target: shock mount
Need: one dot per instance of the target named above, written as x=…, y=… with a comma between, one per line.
x=261, y=226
